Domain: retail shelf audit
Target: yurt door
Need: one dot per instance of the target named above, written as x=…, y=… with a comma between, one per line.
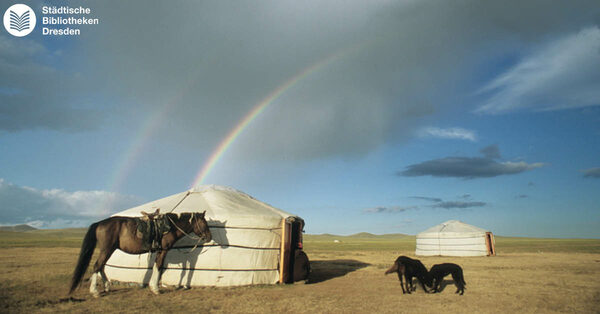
x=489, y=242
x=291, y=241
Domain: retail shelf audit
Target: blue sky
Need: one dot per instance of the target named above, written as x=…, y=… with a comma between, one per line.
x=484, y=112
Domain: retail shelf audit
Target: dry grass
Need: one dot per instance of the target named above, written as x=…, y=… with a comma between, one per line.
x=347, y=278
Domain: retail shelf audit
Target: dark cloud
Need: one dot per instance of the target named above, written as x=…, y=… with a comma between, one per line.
x=467, y=167
x=388, y=209
x=57, y=208
x=491, y=152
x=591, y=173
x=440, y=203
x=425, y=198
x=205, y=72
x=458, y=204
x=34, y=94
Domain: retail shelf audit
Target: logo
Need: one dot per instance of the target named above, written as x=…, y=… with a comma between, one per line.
x=19, y=20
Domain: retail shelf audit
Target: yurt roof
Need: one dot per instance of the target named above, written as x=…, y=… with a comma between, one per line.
x=454, y=227
x=227, y=206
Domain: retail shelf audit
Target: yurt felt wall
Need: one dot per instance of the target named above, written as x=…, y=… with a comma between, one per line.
x=249, y=238
x=455, y=238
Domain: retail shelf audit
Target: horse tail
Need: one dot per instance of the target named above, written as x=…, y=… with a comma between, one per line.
x=85, y=255
x=462, y=277
x=392, y=269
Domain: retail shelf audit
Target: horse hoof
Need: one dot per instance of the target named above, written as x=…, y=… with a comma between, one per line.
x=96, y=295
x=155, y=291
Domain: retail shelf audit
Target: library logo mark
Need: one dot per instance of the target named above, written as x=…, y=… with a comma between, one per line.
x=19, y=20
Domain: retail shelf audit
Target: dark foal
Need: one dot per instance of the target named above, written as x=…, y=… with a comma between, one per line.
x=439, y=271
x=409, y=268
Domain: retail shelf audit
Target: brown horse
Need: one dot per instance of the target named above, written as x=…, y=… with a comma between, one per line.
x=120, y=233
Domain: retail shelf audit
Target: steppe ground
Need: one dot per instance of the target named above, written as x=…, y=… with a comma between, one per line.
x=527, y=275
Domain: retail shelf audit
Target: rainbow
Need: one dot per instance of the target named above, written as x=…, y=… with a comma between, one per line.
x=257, y=110
x=151, y=124
x=144, y=134
x=142, y=138
x=140, y=141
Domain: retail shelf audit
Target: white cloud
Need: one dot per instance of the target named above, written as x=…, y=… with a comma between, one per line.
x=36, y=94
x=58, y=208
x=59, y=223
x=449, y=133
x=563, y=74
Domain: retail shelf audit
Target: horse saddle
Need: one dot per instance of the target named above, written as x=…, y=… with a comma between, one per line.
x=151, y=228
x=147, y=216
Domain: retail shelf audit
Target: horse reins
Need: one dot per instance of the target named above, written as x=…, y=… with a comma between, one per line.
x=187, y=234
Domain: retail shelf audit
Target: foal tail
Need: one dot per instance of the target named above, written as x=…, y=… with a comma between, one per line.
x=392, y=269
x=85, y=255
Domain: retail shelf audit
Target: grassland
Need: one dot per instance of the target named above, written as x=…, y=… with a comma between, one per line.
x=528, y=275
x=42, y=238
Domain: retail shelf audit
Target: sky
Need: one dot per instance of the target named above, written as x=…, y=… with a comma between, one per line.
x=358, y=116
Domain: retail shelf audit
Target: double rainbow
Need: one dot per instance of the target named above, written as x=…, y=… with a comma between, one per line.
x=149, y=127
x=256, y=111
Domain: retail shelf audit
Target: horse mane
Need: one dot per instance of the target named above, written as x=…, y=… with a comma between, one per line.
x=179, y=215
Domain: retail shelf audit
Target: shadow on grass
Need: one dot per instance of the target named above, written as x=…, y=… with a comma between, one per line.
x=325, y=270
x=66, y=300
x=446, y=282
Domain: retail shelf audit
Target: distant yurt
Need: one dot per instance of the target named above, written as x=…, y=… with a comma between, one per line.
x=455, y=238
x=253, y=242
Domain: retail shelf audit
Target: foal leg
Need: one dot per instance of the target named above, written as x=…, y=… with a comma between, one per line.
x=421, y=280
x=409, y=282
x=401, y=282
x=436, y=285
x=401, y=272
x=458, y=284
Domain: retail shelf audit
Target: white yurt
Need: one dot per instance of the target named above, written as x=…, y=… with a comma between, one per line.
x=455, y=238
x=252, y=243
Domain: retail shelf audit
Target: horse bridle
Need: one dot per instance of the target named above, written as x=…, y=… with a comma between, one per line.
x=187, y=234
